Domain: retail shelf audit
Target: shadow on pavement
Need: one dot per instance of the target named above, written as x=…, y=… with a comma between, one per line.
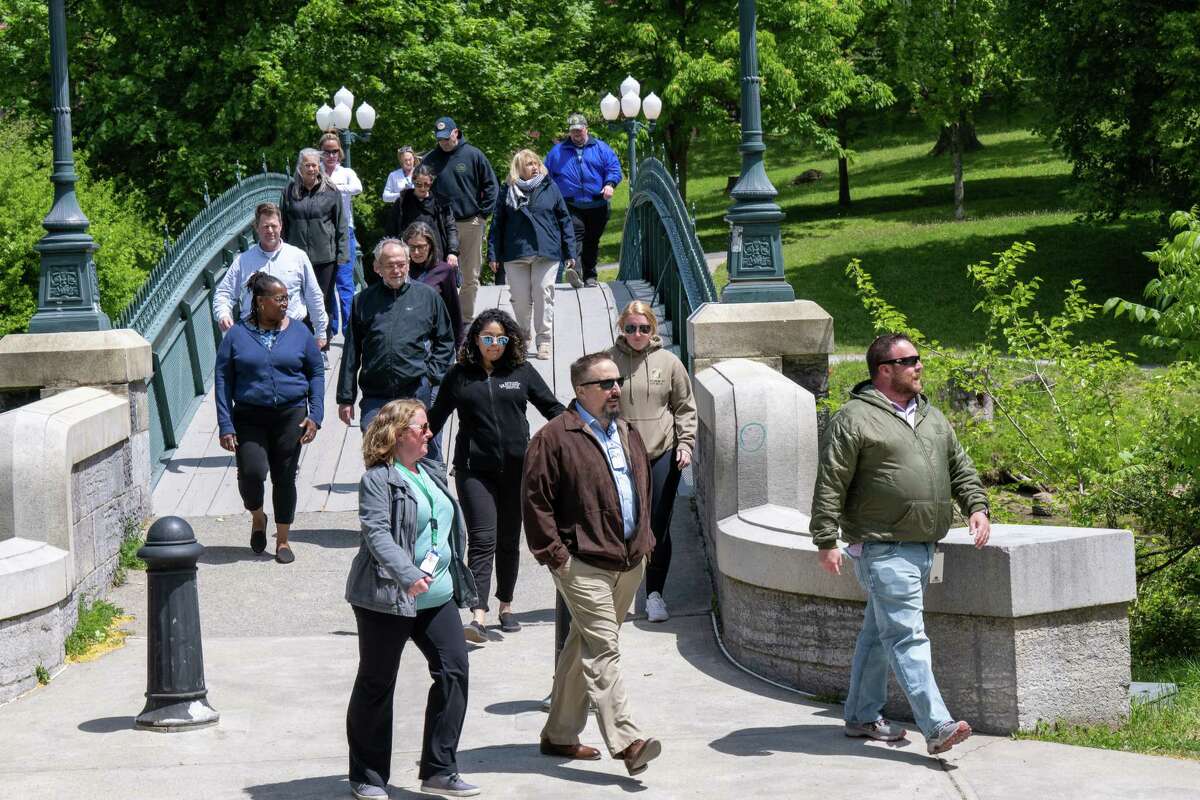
x=537, y=615
x=820, y=740
x=107, y=725
x=527, y=759
x=514, y=707
x=319, y=788
x=220, y=554
x=328, y=537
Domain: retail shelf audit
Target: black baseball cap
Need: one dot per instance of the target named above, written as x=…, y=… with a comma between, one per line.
x=443, y=128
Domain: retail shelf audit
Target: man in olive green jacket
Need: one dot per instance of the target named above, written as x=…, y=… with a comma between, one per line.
x=890, y=471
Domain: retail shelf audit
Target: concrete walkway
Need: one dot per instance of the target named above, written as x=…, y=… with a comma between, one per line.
x=280, y=656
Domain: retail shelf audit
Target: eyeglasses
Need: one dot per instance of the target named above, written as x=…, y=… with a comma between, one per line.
x=491, y=340
x=605, y=384
x=906, y=361
x=418, y=245
x=422, y=185
x=632, y=329
x=423, y=428
x=278, y=298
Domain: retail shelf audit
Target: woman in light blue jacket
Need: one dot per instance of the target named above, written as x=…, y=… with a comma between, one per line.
x=407, y=582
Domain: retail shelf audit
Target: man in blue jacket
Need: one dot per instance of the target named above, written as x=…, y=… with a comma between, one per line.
x=586, y=171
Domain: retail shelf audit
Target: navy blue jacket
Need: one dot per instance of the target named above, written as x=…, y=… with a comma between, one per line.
x=542, y=227
x=465, y=180
x=290, y=374
x=581, y=173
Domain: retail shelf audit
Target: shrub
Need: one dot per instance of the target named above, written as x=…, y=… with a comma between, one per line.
x=128, y=243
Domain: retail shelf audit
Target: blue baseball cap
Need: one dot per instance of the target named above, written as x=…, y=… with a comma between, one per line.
x=443, y=128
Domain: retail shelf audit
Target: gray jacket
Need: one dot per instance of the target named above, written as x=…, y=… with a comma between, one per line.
x=384, y=567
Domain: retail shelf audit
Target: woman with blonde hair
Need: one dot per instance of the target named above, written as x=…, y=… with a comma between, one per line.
x=407, y=582
x=531, y=236
x=656, y=400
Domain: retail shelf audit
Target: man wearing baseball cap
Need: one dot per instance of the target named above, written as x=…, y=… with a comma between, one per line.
x=586, y=171
x=466, y=182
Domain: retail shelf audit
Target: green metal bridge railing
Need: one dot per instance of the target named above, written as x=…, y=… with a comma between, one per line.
x=659, y=245
x=173, y=309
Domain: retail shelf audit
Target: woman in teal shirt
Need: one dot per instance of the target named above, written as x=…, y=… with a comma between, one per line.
x=407, y=582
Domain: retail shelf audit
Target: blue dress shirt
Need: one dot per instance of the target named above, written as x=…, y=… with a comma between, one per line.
x=619, y=467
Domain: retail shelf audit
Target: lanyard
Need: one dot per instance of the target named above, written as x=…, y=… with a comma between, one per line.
x=432, y=511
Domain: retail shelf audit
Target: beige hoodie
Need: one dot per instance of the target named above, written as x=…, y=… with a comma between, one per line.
x=657, y=396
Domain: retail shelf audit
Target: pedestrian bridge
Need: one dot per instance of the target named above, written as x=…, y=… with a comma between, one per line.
x=200, y=479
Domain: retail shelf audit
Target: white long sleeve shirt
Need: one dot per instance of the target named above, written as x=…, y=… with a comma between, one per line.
x=397, y=181
x=347, y=182
x=289, y=264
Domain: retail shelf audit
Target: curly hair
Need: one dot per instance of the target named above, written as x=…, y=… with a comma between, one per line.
x=514, y=352
x=379, y=440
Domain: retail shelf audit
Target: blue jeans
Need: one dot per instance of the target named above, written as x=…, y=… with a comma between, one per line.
x=427, y=394
x=344, y=280
x=368, y=406
x=894, y=576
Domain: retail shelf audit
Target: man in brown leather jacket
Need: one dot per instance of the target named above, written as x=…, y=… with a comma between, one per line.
x=586, y=500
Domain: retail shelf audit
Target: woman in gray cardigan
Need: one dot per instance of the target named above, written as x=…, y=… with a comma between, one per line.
x=407, y=582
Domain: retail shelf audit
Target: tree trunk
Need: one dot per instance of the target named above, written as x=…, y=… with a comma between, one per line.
x=843, y=165
x=678, y=140
x=956, y=148
x=970, y=141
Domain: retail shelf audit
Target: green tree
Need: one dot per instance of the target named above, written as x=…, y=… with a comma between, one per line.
x=126, y=235
x=1117, y=81
x=951, y=53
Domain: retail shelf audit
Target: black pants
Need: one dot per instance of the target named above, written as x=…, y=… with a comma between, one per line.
x=491, y=502
x=664, y=473
x=437, y=632
x=327, y=280
x=589, y=227
x=268, y=442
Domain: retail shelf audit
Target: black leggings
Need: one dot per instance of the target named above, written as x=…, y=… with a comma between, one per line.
x=437, y=632
x=268, y=440
x=664, y=473
x=327, y=280
x=491, y=502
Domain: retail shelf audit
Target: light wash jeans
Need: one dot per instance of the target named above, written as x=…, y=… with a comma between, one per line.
x=894, y=577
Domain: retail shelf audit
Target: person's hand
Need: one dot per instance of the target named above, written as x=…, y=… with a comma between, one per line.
x=683, y=457
x=346, y=413
x=981, y=528
x=420, y=586
x=229, y=442
x=562, y=570
x=320, y=344
x=607, y=192
x=224, y=323
x=310, y=431
x=494, y=266
x=452, y=260
x=831, y=561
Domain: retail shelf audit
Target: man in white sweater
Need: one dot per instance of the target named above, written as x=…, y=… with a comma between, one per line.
x=279, y=259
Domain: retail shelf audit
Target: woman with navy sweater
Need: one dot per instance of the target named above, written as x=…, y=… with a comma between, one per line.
x=490, y=388
x=270, y=389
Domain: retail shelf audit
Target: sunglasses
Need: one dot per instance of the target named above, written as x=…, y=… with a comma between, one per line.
x=632, y=329
x=491, y=340
x=423, y=185
x=332, y=152
x=606, y=384
x=423, y=428
x=906, y=361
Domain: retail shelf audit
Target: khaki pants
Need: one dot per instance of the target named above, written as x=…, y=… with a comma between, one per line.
x=470, y=261
x=589, y=667
x=531, y=287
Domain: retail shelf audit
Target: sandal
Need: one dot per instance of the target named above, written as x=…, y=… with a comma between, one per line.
x=258, y=538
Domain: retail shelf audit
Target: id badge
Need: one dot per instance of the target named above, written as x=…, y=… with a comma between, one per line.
x=939, y=566
x=429, y=563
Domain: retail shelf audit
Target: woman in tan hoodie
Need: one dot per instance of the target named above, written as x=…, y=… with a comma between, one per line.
x=657, y=401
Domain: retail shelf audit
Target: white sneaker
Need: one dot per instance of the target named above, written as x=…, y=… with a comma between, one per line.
x=656, y=608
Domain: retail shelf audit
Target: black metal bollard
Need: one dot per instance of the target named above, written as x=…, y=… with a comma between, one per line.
x=176, y=698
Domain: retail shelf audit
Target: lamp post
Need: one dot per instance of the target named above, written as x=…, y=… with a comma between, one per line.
x=755, y=247
x=628, y=107
x=68, y=293
x=339, y=117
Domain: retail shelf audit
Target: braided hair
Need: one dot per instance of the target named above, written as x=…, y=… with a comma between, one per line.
x=259, y=285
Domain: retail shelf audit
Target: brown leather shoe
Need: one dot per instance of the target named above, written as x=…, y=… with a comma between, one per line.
x=580, y=752
x=639, y=754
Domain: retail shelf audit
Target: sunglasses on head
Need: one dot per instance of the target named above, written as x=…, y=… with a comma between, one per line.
x=491, y=340
x=906, y=361
x=632, y=329
x=605, y=383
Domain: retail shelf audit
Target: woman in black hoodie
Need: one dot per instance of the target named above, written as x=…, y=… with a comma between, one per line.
x=490, y=388
x=420, y=204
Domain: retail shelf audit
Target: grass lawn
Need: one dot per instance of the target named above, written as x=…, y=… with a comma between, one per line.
x=900, y=225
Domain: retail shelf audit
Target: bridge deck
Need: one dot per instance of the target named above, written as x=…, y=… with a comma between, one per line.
x=201, y=479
